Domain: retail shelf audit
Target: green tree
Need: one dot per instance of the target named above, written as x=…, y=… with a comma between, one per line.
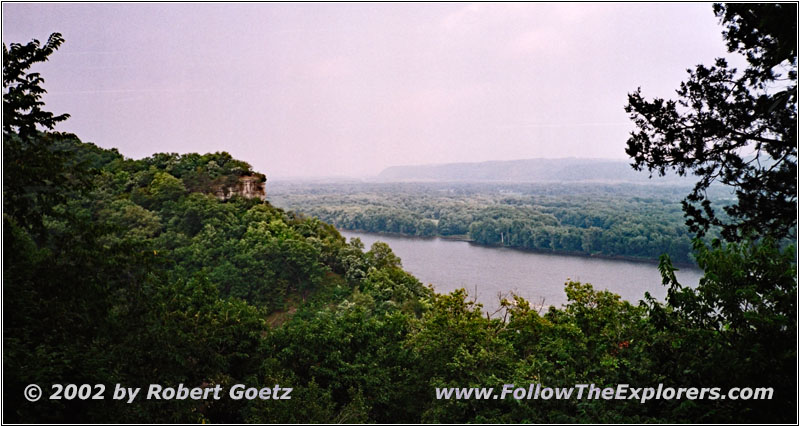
x=380, y=255
x=166, y=187
x=35, y=168
x=738, y=328
x=736, y=128
x=22, y=95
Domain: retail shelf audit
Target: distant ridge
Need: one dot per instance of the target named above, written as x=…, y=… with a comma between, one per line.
x=529, y=170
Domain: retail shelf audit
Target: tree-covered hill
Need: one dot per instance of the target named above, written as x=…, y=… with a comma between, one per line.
x=133, y=279
x=134, y=272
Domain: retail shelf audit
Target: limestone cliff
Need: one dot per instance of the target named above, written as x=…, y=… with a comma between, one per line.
x=248, y=186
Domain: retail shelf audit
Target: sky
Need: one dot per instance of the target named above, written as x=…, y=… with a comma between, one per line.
x=335, y=89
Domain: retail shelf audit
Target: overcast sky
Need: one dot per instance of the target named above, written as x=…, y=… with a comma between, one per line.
x=349, y=89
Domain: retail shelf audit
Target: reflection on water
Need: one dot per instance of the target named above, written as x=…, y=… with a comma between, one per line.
x=487, y=272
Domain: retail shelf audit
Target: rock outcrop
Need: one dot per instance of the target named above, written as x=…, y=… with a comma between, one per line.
x=248, y=186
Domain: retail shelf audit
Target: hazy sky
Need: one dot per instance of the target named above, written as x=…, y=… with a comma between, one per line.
x=349, y=89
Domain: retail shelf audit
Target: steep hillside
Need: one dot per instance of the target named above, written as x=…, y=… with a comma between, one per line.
x=132, y=278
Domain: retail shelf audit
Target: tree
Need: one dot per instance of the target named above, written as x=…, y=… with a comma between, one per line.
x=739, y=129
x=737, y=328
x=736, y=128
x=22, y=98
x=36, y=170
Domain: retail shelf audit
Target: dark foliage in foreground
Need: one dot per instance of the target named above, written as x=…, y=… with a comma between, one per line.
x=734, y=127
x=118, y=271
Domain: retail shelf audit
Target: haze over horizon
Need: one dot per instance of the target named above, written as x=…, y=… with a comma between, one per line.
x=351, y=89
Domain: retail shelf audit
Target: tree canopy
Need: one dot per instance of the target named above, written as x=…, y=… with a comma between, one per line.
x=22, y=96
x=735, y=127
x=137, y=276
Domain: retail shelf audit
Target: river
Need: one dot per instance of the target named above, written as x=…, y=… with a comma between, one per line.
x=487, y=272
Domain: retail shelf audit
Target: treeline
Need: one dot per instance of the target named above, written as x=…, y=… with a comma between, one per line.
x=124, y=275
x=625, y=220
x=119, y=271
x=132, y=279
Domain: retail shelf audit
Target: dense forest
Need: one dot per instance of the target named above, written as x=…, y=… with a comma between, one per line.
x=614, y=220
x=132, y=272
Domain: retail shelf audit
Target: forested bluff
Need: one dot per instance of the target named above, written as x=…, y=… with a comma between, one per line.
x=122, y=271
x=134, y=278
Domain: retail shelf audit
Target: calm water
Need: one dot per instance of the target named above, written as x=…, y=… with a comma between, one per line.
x=487, y=271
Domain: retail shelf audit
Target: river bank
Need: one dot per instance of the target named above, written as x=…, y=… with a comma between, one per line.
x=488, y=273
x=465, y=238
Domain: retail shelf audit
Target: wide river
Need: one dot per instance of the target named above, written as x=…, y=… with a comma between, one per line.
x=486, y=272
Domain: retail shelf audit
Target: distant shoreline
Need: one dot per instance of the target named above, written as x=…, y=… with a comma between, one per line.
x=462, y=238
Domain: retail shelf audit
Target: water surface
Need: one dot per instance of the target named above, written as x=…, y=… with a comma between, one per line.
x=487, y=272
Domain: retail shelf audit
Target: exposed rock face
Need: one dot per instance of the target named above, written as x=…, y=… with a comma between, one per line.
x=248, y=186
